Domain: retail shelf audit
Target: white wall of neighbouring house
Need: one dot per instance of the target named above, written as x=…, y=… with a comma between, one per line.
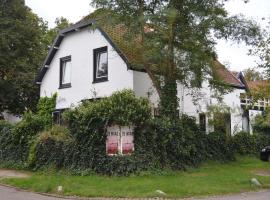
x=252, y=116
x=192, y=103
x=11, y=118
x=143, y=87
x=80, y=45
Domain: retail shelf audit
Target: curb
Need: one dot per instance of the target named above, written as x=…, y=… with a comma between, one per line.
x=80, y=198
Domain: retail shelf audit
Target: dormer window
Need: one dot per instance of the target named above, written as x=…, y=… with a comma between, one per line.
x=65, y=72
x=100, y=64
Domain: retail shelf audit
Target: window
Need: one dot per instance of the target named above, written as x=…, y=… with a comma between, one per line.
x=119, y=140
x=65, y=72
x=202, y=122
x=100, y=64
x=57, y=117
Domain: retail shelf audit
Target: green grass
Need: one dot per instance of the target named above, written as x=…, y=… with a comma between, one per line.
x=210, y=179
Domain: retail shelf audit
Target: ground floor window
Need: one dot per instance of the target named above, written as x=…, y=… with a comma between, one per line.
x=222, y=123
x=58, y=116
x=119, y=140
x=202, y=122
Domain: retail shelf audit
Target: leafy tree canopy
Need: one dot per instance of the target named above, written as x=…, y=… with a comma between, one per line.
x=252, y=74
x=176, y=39
x=24, y=42
x=21, y=51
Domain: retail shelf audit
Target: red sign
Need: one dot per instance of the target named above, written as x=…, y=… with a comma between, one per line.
x=119, y=140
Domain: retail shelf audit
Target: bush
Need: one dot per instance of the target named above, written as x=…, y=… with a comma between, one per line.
x=88, y=123
x=262, y=123
x=50, y=148
x=245, y=143
x=8, y=148
x=219, y=146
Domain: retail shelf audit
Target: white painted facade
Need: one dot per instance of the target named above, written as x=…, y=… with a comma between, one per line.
x=80, y=45
x=11, y=118
x=192, y=105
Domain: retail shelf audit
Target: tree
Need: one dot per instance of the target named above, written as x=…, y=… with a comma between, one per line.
x=60, y=23
x=262, y=50
x=21, y=51
x=176, y=40
x=252, y=75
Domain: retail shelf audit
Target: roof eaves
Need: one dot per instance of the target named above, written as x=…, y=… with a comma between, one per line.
x=56, y=45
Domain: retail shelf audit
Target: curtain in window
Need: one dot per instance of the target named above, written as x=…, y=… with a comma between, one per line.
x=66, y=76
x=102, y=65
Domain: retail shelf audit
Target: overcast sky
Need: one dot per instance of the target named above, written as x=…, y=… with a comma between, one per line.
x=235, y=55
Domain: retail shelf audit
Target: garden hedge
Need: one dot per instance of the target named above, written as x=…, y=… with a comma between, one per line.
x=160, y=143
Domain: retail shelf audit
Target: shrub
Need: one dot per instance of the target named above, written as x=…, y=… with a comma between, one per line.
x=8, y=148
x=245, y=143
x=262, y=123
x=219, y=146
x=88, y=123
x=177, y=144
x=50, y=148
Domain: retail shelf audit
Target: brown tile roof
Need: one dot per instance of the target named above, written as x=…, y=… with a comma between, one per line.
x=226, y=76
x=131, y=48
x=254, y=85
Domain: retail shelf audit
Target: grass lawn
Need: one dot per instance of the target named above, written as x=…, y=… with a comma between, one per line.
x=210, y=179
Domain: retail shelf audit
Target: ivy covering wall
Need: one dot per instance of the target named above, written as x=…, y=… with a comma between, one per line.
x=80, y=147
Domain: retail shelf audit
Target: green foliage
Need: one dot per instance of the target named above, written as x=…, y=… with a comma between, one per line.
x=219, y=116
x=179, y=44
x=15, y=140
x=61, y=23
x=245, y=143
x=251, y=74
x=45, y=107
x=21, y=52
x=88, y=123
x=219, y=146
x=49, y=148
x=262, y=123
x=8, y=148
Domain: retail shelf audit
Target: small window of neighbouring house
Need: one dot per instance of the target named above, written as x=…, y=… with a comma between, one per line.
x=101, y=64
x=202, y=122
x=119, y=140
x=65, y=72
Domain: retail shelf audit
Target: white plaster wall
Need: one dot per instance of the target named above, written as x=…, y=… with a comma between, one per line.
x=80, y=46
x=143, y=87
x=204, y=95
x=252, y=115
x=11, y=118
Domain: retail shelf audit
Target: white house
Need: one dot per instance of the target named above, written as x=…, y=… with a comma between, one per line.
x=84, y=64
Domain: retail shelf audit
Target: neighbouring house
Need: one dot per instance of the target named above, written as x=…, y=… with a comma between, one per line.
x=10, y=117
x=85, y=64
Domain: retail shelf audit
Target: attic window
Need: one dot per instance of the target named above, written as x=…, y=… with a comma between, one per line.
x=100, y=64
x=65, y=72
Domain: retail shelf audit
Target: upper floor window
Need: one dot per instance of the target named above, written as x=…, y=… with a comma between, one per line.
x=101, y=64
x=65, y=72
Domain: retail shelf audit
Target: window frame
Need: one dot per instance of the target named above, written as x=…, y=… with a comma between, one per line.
x=62, y=61
x=96, y=52
x=202, y=118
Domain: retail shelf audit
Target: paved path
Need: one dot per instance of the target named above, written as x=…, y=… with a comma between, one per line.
x=7, y=193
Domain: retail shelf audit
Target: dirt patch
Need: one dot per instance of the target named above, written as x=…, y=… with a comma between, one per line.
x=262, y=172
x=12, y=174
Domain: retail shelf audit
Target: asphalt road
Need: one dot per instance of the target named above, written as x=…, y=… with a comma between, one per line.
x=7, y=193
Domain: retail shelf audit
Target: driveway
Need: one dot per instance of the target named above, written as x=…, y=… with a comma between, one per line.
x=7, y=193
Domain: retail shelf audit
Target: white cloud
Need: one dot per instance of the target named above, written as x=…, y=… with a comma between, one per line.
x=49, y=10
